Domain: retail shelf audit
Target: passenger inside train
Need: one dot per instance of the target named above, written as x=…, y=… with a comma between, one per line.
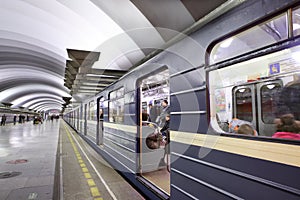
x=165, y=110
x=246, y=129
x=241, y=127
x=287, y=127
x=165, y=128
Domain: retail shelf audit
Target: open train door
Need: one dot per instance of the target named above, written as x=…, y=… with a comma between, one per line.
x=153, y=158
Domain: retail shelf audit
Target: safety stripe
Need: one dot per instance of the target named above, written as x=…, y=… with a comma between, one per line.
x=91, y=183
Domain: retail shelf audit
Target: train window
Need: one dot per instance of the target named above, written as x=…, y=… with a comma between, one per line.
x=268, y=95
x=243, y=97
x=129, y=98
x=256, y=37
x=116, y=106
x=296, y=22
x=91, y=111
x=258, y=91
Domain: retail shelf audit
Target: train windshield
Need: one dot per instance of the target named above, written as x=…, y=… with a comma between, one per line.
x=257, y=92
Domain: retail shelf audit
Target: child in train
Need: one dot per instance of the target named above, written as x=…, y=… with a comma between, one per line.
x=236, y=124
x=246, y=129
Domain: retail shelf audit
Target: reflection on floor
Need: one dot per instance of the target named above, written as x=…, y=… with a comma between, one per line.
x=160, y=178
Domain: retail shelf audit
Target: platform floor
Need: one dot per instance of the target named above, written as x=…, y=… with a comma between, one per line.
x=28, y=155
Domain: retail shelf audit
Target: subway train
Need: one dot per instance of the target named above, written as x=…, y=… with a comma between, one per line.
x=238, y=63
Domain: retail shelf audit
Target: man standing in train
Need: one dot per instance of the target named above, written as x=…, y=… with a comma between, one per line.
x=165, y=110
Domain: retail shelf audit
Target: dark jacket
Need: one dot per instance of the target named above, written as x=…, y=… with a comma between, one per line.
x=166, y=126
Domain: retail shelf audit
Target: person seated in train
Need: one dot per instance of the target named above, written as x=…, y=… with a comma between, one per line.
x=246, y=129
x=287, y=127
x=289, y=100
x=235, y=124
x=165, y=128
x=153, y=140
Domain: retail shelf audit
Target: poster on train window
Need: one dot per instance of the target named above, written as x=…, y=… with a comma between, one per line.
x=284, y=66
x=220, y=100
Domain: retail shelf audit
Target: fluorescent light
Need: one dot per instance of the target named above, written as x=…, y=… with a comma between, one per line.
x=100, y=75
x=90, y=88
x=91, y=84
x=270, y=86
x=87, y=91
x=242, y=90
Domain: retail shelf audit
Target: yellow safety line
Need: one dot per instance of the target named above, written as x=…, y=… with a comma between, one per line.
x=91, y=183
x=95, y=192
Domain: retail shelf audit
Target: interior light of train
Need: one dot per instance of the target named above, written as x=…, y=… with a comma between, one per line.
x=226, y=43
x=242, y=90
x=270, y=86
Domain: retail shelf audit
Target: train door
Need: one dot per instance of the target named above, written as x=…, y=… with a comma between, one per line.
x=81, y=118
x=255, y=103
x=266, y=95
x=85, y=119
x=78, y=120
x=154, y=154
x=99, y=136
x=244, y=102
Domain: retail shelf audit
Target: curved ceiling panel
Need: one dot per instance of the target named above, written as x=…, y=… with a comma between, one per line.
x=31, y=98
x=43, y=104
x=35, y=36
x=30, y=103
x=48, y=106
x=18, y=74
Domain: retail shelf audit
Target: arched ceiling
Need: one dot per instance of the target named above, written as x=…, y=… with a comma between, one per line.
x=38, y=39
